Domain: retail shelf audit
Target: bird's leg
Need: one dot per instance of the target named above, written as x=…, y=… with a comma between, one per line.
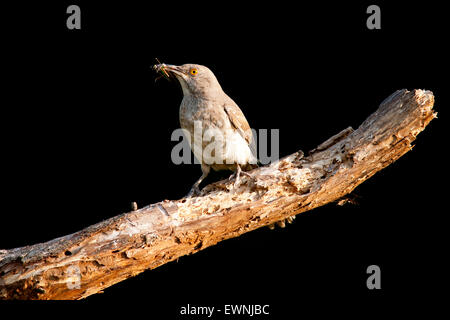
x=238, y=173
x=195, y=190
x=245, y=173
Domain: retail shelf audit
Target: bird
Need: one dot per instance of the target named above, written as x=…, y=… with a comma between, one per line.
x=227, y=142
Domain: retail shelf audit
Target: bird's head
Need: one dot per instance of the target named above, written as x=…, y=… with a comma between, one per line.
x=195, y=79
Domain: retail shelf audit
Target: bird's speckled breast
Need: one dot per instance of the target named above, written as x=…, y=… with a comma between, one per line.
x=194, y=109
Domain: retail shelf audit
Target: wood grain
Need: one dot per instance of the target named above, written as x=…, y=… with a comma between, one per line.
x=86, y=262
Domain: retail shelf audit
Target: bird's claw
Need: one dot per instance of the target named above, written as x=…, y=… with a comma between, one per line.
x=247, y=174
x=237, y=182
x=195, y=191
x=238, y=178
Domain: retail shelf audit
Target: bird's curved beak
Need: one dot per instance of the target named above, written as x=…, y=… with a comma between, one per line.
x=171, y=68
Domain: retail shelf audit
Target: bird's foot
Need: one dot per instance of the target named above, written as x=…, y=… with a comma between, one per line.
x=195, y=191
x=247, y=174
x=237, y=175
x=282, y=223
x=238, y=180
x=232, y=176
x=243, y=173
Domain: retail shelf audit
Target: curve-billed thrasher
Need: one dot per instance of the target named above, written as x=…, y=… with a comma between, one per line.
x=226, y=139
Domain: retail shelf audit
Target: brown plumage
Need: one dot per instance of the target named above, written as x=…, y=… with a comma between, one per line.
x=205, y=106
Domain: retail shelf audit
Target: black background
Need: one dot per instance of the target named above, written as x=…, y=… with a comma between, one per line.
x=85, y=130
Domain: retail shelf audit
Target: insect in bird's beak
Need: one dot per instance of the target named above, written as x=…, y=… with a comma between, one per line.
x=161, y=68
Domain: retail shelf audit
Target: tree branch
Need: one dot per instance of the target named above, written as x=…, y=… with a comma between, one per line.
x=86, y=262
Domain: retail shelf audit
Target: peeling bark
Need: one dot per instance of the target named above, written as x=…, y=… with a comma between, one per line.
x=86, y=262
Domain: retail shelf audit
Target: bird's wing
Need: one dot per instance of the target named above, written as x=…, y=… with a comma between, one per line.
x=238, y=121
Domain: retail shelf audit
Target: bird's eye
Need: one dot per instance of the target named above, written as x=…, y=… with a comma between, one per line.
x=193, y=72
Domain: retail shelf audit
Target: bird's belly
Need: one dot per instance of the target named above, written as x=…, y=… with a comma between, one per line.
x=222, y=148
x=212, y=138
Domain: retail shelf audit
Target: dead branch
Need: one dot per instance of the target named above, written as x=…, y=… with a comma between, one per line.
x=86, y=262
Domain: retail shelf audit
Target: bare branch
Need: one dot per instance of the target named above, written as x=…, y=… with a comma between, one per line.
x=86, y=262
